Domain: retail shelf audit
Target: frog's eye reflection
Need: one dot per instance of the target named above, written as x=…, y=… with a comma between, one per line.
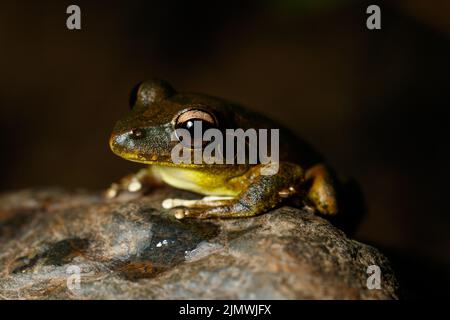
x=192, y=119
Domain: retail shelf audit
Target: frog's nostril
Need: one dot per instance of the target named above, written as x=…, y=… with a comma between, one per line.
x=137, y=133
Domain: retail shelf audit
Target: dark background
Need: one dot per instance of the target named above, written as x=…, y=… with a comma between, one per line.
x=373, y=102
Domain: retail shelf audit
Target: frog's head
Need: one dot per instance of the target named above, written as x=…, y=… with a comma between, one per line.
x=146, y=134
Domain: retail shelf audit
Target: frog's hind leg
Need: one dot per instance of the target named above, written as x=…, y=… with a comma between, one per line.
x=322, y=191
x=263, y=193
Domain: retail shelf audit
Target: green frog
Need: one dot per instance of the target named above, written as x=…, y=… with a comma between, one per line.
x=146, y=135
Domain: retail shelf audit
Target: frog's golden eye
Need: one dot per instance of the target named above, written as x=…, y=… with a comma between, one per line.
x=195, y=114
x=189, y=119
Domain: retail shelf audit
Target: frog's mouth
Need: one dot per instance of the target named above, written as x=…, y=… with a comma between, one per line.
x=145, y=151
x=155, y=145
x=129, y=150
x=132, y=150
x=142, y=144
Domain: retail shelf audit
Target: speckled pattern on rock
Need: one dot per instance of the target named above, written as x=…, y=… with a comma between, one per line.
x=129, y=248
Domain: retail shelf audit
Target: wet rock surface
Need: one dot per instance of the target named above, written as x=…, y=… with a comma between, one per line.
x=130, y=248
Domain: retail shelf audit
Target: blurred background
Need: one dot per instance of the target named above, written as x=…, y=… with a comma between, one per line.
x=373, y=102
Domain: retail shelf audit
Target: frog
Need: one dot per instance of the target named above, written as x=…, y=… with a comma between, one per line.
x=146, y=135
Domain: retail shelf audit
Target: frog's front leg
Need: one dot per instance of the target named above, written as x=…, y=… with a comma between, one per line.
x=262, y=193
x=140, y=181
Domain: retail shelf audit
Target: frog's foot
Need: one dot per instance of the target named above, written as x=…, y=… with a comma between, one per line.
x=136, y=183
x=322, y=192
x=223, y=211
x=185, y=212
x=263, y=193
x=209, y=201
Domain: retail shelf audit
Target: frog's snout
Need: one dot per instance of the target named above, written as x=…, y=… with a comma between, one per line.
x=141, y=145
x=116, y=143
x=127, y=141
x=111, y=142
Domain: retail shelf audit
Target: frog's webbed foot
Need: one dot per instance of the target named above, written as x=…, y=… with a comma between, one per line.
x=263, y=193
x=136, y=183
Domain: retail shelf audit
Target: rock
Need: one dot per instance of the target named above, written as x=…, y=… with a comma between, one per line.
x=131, y=248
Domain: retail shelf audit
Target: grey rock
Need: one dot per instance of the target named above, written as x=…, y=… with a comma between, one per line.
x=130, y=248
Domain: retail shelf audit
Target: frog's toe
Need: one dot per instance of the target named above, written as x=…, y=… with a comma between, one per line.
x=124, y=191
x=112, y=191
x=171, y=203
x=179, y=213
x=205, y=202
x=184, y=212
x=134, y=185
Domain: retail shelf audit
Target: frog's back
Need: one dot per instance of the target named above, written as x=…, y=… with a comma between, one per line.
x=292, y=147
x=234, y=116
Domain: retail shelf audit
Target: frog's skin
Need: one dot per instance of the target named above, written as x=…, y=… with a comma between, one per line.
x=232, y=190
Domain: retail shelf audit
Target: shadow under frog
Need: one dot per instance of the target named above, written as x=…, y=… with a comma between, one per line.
x=162, y=244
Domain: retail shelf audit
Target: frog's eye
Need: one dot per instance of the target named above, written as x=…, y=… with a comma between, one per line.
x=190, y=119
